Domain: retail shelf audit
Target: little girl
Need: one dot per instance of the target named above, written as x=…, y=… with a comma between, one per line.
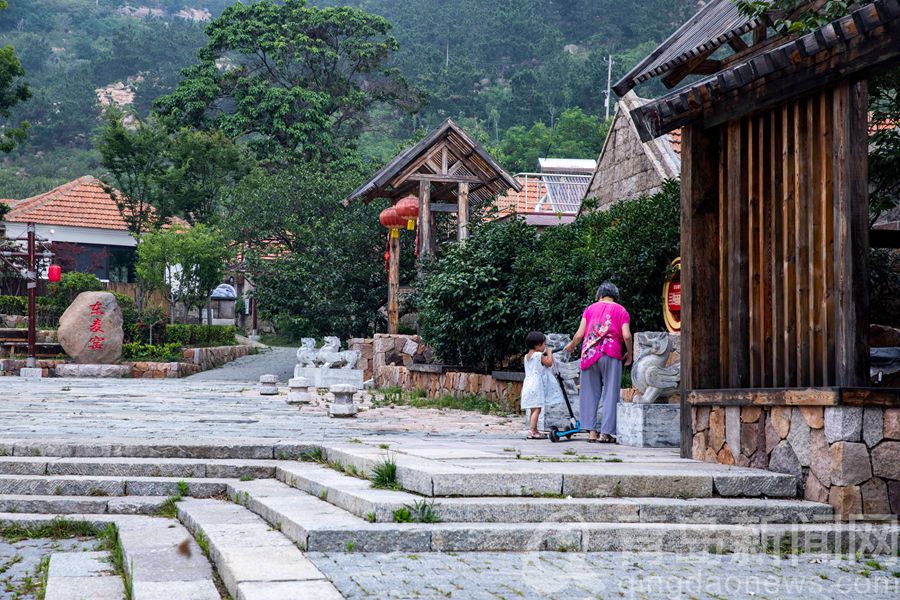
x=537, y=372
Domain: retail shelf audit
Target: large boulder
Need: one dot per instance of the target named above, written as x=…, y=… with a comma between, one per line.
x=90, y=331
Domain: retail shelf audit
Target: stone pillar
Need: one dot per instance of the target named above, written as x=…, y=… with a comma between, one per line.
x=299, y=391
x=268, y=385
x=342, y=406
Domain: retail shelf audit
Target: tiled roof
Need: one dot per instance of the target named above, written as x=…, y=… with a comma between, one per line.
x=79, y=203
x=675, y=140
x=544, y=193
x=525, y=200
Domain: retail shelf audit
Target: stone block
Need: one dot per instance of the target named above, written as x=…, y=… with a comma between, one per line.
x=820, y=458
x=784, y=460
x=760, y=459
x=886, y=460
x=749, y=437
x=80, y=588
x=733, y=427
x=814, y=416
x=169, y=590
x=750, y=414
x=32, y=372
x=875, y=497
x=700, y=416
x=725, y=456
x=716, y=429
x=873, y=425
x=648, y=425
x=846, y=500
x=843, y=423
x=325, y=378
x=799, y=437
x=892, y=423
x=771, y=435
x=282, y=590
x=343, y=405
x=747, y=483
x=849, y=463
x=814, y=491
x=698, y=448
x=894, y=496
x=780, y=417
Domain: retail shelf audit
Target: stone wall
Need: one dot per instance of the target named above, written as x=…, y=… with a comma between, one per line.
x=438, y=382
x=847, y=456
x=365, y=348
x=216, y=356
x=12, y=366
x=162, y=370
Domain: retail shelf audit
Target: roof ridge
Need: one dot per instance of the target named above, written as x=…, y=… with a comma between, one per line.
x=40, y=200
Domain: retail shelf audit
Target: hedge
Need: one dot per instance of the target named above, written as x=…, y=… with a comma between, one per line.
x=151, y=352
x=13, y=305
x=201, y=336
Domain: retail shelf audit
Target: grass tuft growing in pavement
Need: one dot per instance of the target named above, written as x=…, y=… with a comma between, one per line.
x=420, y=511
x=418, y=399
x=57, y=528
x=384, y=475
x=315, y=454
x=109, y=541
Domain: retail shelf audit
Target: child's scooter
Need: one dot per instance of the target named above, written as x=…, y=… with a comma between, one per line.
x=574, y=424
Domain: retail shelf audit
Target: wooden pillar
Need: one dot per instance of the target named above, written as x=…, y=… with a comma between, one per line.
x=462, y=213
x=425, y=219
x=851, y=233
x=736, y=258
x=700, y=344
x=393, y=281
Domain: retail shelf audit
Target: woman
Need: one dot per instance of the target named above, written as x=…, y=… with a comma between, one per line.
x=608, y=345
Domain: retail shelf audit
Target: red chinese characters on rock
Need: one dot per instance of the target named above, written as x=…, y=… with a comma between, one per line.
x=96, y=341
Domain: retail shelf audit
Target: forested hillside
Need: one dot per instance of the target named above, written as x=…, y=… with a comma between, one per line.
x=510, y=70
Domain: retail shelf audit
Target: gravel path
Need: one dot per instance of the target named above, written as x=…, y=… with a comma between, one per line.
x=577, y=576
x=19, y=562
x=277, y=361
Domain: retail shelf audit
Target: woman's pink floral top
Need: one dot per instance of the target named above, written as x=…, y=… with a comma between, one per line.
x=604, y=332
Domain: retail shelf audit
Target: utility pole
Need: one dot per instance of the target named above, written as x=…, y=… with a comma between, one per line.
x=609, y=61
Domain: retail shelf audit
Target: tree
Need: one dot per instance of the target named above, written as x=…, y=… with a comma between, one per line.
x=290, y=77
x=184, y=263
x=13, y=90
x=136, y=160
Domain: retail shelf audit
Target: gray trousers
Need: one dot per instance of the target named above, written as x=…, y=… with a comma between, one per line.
x=601, y=382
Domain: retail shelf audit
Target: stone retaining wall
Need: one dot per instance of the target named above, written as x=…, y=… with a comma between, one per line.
x=847, y=456
x=457, y=383
x=162, y=370
x=12, y=366
x=216, y=356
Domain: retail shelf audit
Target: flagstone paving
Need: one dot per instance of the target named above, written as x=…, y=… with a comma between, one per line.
x=20, y=560
x=579, y=576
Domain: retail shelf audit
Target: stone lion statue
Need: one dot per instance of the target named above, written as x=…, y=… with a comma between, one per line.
x=330, y=355
x=306, y=353
x=650, y=375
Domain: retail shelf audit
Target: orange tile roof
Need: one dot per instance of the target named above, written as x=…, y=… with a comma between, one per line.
x=524, y=201
x=79, y=203
x=675, y=140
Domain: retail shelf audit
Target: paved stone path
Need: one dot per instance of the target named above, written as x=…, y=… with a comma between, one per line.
x=20, y=560
x=275, y=360
x=576, y=576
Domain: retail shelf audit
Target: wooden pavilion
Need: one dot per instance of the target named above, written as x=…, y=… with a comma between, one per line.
x=449, y=172
x=774, y=221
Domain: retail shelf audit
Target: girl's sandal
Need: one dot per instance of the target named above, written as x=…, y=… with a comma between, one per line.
x=536, y=435
x=606, y=439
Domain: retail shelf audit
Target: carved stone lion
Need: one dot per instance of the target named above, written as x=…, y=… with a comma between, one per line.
x=650, y=375
x=306, y=353
x=330, y=356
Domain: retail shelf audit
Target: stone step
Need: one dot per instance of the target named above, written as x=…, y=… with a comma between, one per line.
x=163, y=561
x=223, y=449
x=100, y=486
x=315, y=525
x=82, y=576
x=120, y=505
x=358, y=497
x=137, y=467
x=254, y=561
x=594, y=479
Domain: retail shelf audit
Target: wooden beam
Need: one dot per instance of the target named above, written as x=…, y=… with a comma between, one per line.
x=424, y=219
x=443, y=178
x=443, y=208
x=737, y=44
x=393, y=282
x=700, y=360
x=851, y=242
x=686, y=68
x=462, y=222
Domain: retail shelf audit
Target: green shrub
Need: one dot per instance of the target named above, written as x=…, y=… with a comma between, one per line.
x=151, y=352
x=72, y=284
x=148, y=326
x=480, y=299
x=201, y=336
x=13, y=305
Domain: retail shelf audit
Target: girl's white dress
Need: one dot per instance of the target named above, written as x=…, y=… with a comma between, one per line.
x=540, y=388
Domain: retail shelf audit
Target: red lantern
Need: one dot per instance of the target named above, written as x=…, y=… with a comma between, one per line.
x=408, y=209
x=390, y=219
x=54, y=273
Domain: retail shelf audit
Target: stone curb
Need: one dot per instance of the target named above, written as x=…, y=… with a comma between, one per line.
x=73, y=575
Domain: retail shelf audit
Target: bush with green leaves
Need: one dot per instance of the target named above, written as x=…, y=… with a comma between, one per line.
x=201, y=336
x=13, y=305
x=480, y=299
x=73, y=283
x=151, y=352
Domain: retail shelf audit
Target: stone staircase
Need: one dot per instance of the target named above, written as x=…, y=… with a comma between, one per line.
x=242, y=505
